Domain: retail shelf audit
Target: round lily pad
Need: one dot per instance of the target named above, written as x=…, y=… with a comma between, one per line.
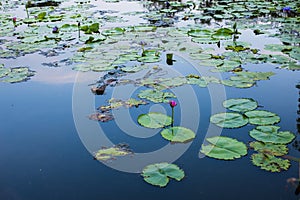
x=160, y=173
x=154, y=120
x=229, y=120
x=240, y=105
x=224, y=148
x=271, y=134
x=262, y=117
x=178, y=134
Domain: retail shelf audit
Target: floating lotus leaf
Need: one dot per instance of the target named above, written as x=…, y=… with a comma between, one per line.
x=105, y=154
x=15, y=75
x=156, y=96
x=269, y=148
x=204, y=40
x=224, y=148
x=255, y=75
x=223, y=33
x=160, y=173
x=178, y=134
x=172, y=82
x=291, y=66
x=154, y=120
x=278, y=47
x=271, y=134
x=200, y=33
x=226, y=66
x=133, y=69
x=238, y=83
x=270, y=163
x=262, y=117
x=145, y=28
x=240, y=105
x=211, y=62
x=113, y=31
x=229, y=120
x=197, y=81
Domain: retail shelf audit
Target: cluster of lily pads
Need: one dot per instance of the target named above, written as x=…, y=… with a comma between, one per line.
x=15, y=74
x=270, y=142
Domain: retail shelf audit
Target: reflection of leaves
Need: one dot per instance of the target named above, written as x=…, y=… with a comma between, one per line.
x=224, y=148
x=178, y=134
x=269, y=162
x=160, y=173
x=229, y=120
x=154, y=120
x=271, y=134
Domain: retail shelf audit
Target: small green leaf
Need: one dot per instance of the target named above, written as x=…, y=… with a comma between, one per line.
x=159, y=174
x=155, y=95
x=178, y=134
x=154, y=120
x=271, y=134
x=224, y=148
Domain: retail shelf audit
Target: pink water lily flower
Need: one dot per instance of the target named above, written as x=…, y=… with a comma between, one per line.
x=172, y=103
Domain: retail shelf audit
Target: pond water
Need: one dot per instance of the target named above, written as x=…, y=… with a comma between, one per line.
x=48, y=141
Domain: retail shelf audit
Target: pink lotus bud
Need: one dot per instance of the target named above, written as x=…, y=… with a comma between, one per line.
x=14, y=19
x=172, y=103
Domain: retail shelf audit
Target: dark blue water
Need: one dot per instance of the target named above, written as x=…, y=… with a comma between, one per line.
x=42, y=156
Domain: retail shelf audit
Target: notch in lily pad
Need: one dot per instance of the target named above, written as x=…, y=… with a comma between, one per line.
x=159, y=174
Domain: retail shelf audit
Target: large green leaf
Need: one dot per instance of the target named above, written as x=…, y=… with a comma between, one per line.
x=271, y=134
x=229, y=120
x=269, y=148
x=224, y=148
x=270, y=163
x=160, y=173
x=262, y=117
x=240, y=105
x=178, y=134
x=154, y=120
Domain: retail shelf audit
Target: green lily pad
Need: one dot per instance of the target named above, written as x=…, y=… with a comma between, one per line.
x=262, y=117
x=178, y=134
x=105, y=154
x=154, y=120
x=224, y=148
x=270, y=163
x=269, y=148
x=159, y=174
x=223, y=33
x=229, y=120
x=156, y=96
x=271, y=134
x=240, y=105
